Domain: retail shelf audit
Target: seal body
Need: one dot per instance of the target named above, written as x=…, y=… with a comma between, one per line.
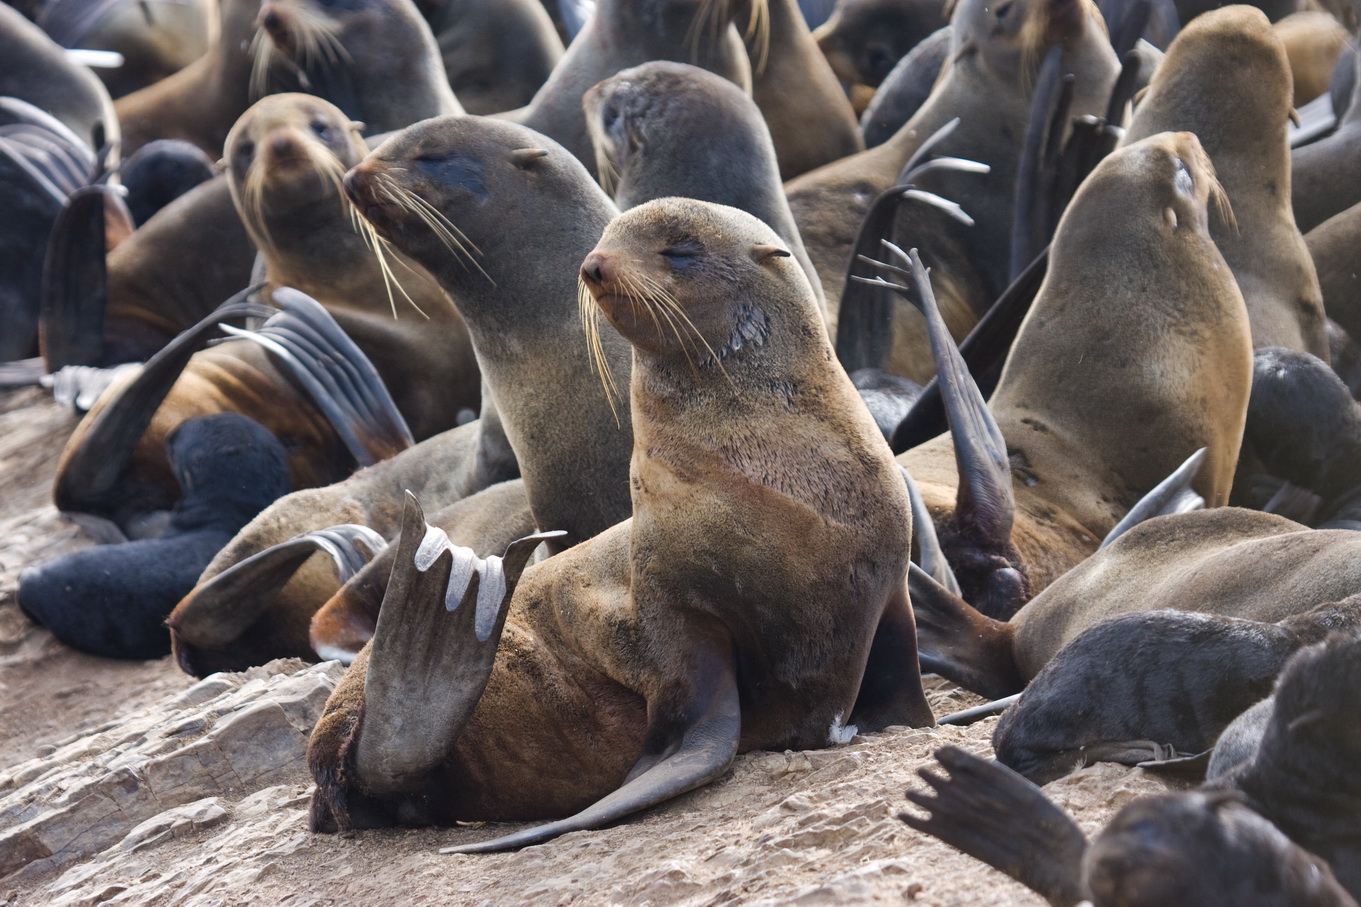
x=112, y=600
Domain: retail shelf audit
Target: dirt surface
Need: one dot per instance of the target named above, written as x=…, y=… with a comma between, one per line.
x=130, y=783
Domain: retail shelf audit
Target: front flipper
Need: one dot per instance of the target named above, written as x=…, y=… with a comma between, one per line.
x=695, y=746
x=336, y=375
x=994, y=815
x=426, y=671
x=90, y=471
x=960, y=644
x=215, y=614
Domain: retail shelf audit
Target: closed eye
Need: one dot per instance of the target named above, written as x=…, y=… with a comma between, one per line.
x=683, y=254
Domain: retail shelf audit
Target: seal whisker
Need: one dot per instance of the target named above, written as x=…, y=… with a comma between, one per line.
x=590, y=322
x=261, y=53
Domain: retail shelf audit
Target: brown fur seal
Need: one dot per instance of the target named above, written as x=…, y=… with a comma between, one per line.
x=1179, y=848
x=624, y=33
x=994, y=54
x=200, y=102
x=811, y=121
x=1325, y=175
x=1227, y=561
x=542, y=391
x=286, y=157
x=664, y=644
x=670, y=129
x=1092, y=376
x=497, y=53
x=864, y=39
x=1239, y=110
x=1335, y=248
x=36, y=70
x=1313, y=42
x=376, y=60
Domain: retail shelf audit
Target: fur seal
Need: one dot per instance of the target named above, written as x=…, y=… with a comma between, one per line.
x=995, y=51
x=1325, y=176
x=1226, y=561
x=621, y=34
x=1026, y=484
x=669, y=672
x=497, y=53
x=1313, y=40
x=905, y=89
x=1335, y=248
x=1135, y=687
x=286, y=157
x=670, y=129
x=865, y=39
x=811, y=121
x=376, y=60
x=1239, y=111
x=1180, y=848
x=112, y=600
x=199, y=103
x=544, y=415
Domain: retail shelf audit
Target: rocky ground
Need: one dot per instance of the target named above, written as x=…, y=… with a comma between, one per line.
x=131, y=783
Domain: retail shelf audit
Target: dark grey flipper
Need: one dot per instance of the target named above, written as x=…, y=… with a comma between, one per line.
x=215, y=614
x=1172, y=495
x=957, y=642
x=91, y=471
x=985, y=501
x=994, y=815
x=75, y=283
x=1037, y=168
x=930, y=557
x=979, y=712
x=335, y=373
x=426, y=670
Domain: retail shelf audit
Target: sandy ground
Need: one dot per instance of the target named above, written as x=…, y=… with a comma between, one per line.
x=130, y=783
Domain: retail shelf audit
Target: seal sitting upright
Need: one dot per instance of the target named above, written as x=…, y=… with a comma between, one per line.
x=756, y=599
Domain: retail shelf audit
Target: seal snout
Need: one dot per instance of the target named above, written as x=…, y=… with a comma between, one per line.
x=597, y=270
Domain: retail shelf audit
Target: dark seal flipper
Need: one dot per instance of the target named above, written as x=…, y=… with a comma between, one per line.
x=75, y=283
x=89, y=474
x=930, y=556
x=426, y=670
x=993, y=814
x=306, y=341
x=1172, y=495
x=960, y=644
x=218, y=612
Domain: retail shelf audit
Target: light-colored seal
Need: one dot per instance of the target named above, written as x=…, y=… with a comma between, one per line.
x=686, y=634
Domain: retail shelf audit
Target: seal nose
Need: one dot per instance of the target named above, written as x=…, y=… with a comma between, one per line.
x=595, y=270
x=357, y=181
x=270, y=20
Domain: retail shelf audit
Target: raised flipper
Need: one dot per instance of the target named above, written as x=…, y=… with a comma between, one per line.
x=930, y=557
x=1172, y=495
x=979, y=712
x=335, y=373
x=90, y=472
x=985, y=349
x=427, y=671
x=75, y=283
x=216, y=613
x=960, y=644
x=1037, y=168
x=994, y=815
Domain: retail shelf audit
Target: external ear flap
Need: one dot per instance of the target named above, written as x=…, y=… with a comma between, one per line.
x=220, y=166
x=358, y=126
x=1139, y=95
x=760, y=254
x=948, y=12
x=525, y=158
x=1295, y=117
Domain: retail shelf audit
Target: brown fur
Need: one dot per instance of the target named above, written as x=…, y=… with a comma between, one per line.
x=603, y=639
x=1226, y=78
x=1313, y=41
x=987, y=83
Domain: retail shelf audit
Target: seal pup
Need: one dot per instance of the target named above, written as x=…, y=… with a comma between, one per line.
x=995, y=52
x=376, y=60
x=285, y=158
x=544, y=416
x=669, y=672
x=112, y=600
x=1180, y=848
x=625, y=33
x=497, y=53
x=810, y=119
x=199, y=103
x=1025, y=485
x=1243, y=129
x=670, y=129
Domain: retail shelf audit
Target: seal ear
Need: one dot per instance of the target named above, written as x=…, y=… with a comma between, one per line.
x=358, y=126
x=763, y=253
x=524, y=158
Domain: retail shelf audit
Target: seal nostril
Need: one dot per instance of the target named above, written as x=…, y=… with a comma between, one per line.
x=593, y=269
x=271, y=20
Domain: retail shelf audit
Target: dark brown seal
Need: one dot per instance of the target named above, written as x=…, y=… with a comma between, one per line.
x=497, y=53
x=665, y=643
x=1226, y=78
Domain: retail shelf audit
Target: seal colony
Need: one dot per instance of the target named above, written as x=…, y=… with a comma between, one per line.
x=665, y=523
